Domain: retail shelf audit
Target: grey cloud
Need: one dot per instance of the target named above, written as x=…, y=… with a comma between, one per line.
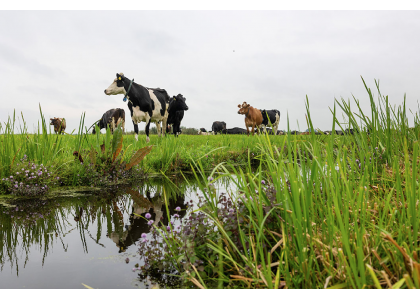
x=16, y=59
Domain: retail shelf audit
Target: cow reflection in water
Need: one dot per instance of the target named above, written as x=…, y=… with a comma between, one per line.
x=126, y=235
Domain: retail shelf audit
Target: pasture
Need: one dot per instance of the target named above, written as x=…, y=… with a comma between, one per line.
x=312, y=211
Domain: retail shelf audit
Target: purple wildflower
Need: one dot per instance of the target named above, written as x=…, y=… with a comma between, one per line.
x=178, y=208
x=148, y=216
x=143, y=235
x=150, y=222
x=263, y=181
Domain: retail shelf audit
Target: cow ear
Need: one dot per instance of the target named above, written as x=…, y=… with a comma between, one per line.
x=174, y=98
x=119, y=77
x=248, y=105
x=239, y=105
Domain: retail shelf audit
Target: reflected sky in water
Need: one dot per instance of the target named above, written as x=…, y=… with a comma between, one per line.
x=63, y=243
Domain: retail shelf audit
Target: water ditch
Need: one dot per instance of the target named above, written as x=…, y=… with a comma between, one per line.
x=86, y=238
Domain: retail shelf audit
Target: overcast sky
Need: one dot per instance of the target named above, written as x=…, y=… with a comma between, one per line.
x=64, y=60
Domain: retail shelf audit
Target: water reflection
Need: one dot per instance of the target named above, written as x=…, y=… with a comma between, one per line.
x=63, y=242
x=130, y=232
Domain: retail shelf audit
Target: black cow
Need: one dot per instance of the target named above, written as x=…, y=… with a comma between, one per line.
x=176, y=109
x=235, y=130
x=218, y=126
x=113, y=117
x=145, y=104
x=351, y=131
x=270, y=118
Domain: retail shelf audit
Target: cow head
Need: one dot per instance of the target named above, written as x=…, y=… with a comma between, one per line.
x=177, y=103
x=117, y=87
x=244, y=108
x=264, y=115
x=53, y=121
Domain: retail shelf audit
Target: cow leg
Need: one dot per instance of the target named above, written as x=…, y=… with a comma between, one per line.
x=158, y=128
x=112, y=125
x=253, y=126
x=147, y=131
x=164, y=126
x=136, y=130
x=176, y=129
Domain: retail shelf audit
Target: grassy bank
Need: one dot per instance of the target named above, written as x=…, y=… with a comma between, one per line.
x=78, y=160
x=318, y=213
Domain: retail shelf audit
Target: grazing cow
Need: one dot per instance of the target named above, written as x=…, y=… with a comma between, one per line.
x=145, y=104
x=218, y=126
x=235, y=130
x=176, y=109
x=253, y=116
x=351, y=131
x=203, y=130
x=296, y=132
x=271, y=118
x=204, y=133
x=59, y=125
x=113, y=118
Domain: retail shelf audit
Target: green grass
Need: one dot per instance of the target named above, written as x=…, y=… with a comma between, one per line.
x=321, y=212
x=169, y=155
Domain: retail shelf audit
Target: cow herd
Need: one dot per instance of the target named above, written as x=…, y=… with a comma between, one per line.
x=254, y=119
x=154, y=105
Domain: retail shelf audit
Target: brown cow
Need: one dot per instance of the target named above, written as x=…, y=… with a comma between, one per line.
x=253, y=116
x=59, y=124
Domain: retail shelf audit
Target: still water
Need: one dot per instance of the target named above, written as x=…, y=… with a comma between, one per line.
x=68, y=242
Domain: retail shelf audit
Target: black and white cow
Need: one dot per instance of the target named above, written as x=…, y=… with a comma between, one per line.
x=270, y=118
x=176, y=109
x=202, y=129
x=113, y=117
x=145, y=104
x=218, y=126
x=234, y=130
